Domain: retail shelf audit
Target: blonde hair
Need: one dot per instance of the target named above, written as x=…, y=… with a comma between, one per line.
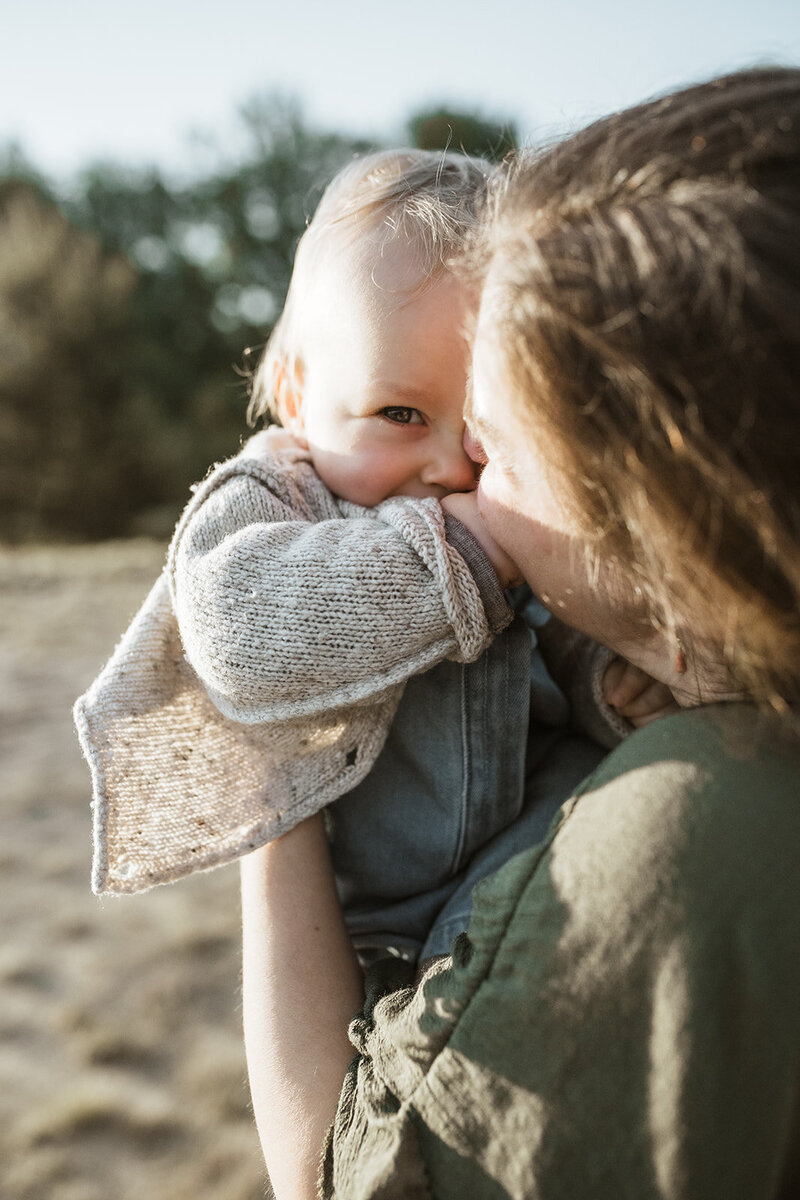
x=422, y=199
x=643, y=298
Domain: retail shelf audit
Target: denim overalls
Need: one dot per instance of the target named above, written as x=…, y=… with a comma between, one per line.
x=478, y=759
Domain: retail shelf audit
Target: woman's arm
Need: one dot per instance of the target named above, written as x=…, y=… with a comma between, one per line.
x=301, y=987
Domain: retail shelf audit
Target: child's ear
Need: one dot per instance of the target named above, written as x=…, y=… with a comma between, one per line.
x=288, y=390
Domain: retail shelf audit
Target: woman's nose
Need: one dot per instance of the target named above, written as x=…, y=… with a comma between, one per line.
x=474, y=449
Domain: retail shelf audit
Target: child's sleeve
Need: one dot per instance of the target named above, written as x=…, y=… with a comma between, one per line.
x=291, y=603
x=258, y=680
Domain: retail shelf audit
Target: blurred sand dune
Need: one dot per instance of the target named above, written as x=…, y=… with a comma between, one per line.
x=121, y=1066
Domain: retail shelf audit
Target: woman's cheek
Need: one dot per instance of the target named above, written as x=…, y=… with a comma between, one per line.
x=500, y=512
x=500, y=497
x=487, y=495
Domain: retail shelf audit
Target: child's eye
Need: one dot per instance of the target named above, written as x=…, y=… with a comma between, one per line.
x=402, y=415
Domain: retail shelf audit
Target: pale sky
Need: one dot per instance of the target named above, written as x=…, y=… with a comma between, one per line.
x=85, y=79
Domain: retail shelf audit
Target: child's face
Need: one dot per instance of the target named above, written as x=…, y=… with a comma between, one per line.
x=382, y=398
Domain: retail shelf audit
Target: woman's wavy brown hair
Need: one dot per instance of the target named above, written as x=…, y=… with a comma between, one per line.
x=643, y=287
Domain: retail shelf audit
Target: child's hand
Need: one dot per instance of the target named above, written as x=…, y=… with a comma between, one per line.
x=274, y=440
x=636, y=695
x=464, y=507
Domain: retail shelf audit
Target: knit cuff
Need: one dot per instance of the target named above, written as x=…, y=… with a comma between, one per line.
x=498, y=613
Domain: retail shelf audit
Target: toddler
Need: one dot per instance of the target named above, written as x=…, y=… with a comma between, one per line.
x=325, y=630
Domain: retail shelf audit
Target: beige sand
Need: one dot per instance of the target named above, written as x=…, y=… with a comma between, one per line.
x=121, y=1066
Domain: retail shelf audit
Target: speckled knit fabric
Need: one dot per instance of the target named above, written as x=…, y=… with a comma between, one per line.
x=259, y=679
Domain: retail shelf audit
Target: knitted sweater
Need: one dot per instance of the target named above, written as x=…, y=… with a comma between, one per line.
x=201, y=744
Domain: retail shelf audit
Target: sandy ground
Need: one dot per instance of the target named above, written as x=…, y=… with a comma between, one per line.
x=121, y=1066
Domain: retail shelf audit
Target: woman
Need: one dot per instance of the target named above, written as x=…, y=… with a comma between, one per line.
x=623, y=1018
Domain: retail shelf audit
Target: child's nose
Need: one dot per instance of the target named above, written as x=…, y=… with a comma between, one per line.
x=450, y=467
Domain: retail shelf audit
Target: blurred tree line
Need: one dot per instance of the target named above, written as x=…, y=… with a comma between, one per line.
x=132, y=309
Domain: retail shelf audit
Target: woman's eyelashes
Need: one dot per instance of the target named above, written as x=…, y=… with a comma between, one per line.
x=401, y=415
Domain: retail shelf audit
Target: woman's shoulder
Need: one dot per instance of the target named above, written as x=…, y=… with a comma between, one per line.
x=701, y=808
x=709, y=787
x=731, y=745
x=691, y=826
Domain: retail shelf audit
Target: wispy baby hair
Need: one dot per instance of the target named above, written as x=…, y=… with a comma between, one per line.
x=425, y=199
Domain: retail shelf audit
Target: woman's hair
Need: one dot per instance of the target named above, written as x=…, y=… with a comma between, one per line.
x=426, y=200
x=643, y=299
